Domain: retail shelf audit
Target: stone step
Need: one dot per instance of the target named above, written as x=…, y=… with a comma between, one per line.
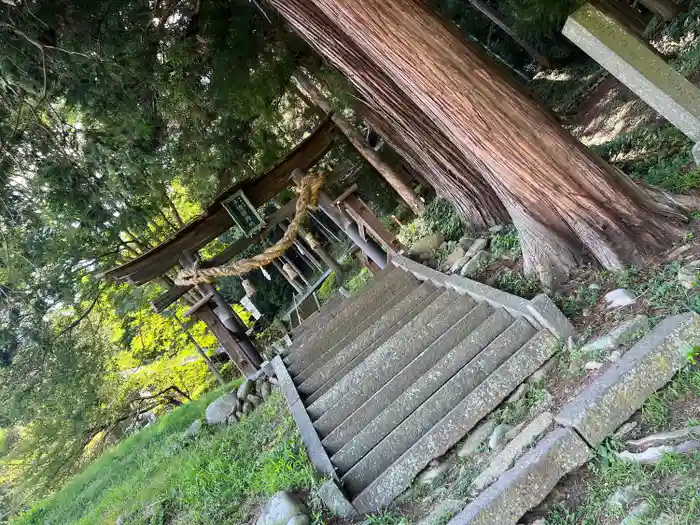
x=315, y=323
x=325, y=353
x=457, y=422
x=404, y=364
x=438, y=405
x=388, y=396
x=373, y=294
x=393, y=355
x=347, y=360
x=529, y=482
x=363, y=440
x=342, y=308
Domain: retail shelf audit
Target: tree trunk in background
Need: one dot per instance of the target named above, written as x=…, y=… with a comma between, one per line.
x=566, y=203
x=492, y=15
x=358, y=142
x=415, y=138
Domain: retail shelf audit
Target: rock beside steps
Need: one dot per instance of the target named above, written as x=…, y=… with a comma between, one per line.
x=413, y=368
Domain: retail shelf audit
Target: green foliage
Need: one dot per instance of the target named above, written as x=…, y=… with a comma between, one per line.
x=670, y=486
x=387, y=518
x=660, y=156
x=514, y=413
x=506, y=242
x=441, y=217
x=585, y=296
x=357, y=280
x=327, y=288
x=217, y=477
x=516, y=283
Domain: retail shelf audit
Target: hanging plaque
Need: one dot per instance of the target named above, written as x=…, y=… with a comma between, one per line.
x=243, y=213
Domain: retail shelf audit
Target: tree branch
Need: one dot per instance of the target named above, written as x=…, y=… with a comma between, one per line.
x=84, y=314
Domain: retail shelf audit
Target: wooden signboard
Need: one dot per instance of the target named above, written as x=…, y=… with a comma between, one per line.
x=243, y=213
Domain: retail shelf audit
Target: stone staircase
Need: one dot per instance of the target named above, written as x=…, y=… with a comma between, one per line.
x=384, y=382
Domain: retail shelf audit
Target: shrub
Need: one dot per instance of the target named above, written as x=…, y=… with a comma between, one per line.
x=441, y=217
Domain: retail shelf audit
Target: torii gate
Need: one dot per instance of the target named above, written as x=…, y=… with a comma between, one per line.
x=181, y=248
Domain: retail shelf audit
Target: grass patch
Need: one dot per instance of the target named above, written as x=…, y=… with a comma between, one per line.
x=157, y=476
x=658, y=155
x=386, y=518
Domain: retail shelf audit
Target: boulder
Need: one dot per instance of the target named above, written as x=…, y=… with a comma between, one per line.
x=688, y=274
x=466, y=242
x=623, y=497
x=265, y=390
x=498, y=435
x=476, y=439
x=246, y=388
x=459, y=264
x=619, y=298
x=282, y=509
x=435, y=470
x=498, y=228
x=247, y=407
x=475, y=263
x=426, y=244
x=638, y=514
x=255, y=400
x=621, y=334
x=194, y=428
x=453, y=257
x=476, y=247
x=218, y=412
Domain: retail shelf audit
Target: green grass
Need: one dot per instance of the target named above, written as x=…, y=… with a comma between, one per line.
x=157, y=476
x=386, y=518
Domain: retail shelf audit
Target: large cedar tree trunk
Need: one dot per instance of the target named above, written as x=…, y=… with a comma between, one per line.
x=398, y=120
x=566, y=203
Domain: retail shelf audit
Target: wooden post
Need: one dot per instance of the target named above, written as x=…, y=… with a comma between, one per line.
x=231, y=321
x=321, y=251
x=362, y=214
x=291, y=281
x=345, y=223
x=226, y=339
x=397, y=182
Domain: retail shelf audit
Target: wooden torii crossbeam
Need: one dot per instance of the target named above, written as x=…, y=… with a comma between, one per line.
x=216, y=220
x=182, y=247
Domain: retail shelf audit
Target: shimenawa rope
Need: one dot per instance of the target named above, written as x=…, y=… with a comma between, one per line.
x=308, y=190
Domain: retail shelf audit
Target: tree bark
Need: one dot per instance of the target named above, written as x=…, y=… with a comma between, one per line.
x=418, y=140
x=567, y=204
x=409, y=196
x=492, y=15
